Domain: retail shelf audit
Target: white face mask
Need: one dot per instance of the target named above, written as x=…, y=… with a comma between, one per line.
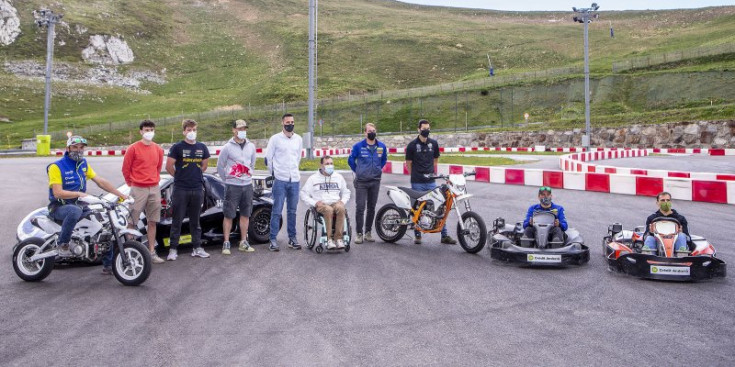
x=148, y=135
x=191, y=135
x=242, y=135
x=329, y=169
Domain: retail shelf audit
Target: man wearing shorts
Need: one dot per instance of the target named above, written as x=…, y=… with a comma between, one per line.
x=235, y=166
x=142, y=172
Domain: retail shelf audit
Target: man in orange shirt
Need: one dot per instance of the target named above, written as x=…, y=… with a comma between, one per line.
x=142, y=172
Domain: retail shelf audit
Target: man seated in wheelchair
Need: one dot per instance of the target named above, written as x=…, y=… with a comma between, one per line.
x=326, y=190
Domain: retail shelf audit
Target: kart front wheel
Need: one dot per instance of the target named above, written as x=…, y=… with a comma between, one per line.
x=474, y=236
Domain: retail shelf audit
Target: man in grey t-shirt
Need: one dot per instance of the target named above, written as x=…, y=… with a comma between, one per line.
x=235, y=166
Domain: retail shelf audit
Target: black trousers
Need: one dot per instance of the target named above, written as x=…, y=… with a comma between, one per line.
x=186, y=203
x=366, y=194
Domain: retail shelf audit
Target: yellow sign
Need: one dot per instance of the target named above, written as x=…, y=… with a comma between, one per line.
x=185, y=238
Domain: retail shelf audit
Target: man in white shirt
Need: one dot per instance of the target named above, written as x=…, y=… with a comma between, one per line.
x=283, y=155
x=327, y=191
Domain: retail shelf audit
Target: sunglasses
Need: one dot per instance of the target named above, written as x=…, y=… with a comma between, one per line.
x=544, y=188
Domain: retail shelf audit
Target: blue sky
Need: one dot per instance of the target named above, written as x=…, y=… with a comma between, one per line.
x=568, y=4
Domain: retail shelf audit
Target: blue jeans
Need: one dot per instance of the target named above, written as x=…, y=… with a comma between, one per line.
x=70, y=214
x=289, y=192
x=426, y=186
x=681, y=243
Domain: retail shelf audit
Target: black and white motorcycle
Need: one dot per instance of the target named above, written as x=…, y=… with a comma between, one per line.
x=101, y=229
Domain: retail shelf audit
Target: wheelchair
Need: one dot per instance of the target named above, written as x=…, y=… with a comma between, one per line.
x=315, y=234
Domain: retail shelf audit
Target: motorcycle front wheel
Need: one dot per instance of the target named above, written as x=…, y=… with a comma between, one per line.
x=139, y=264
x=31, y=271
x=475, y=235
x=386, y=223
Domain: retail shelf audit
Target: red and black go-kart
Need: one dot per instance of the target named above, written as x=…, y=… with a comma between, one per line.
x=625, y=253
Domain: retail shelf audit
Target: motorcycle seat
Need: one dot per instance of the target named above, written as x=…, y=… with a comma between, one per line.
x=414, y=194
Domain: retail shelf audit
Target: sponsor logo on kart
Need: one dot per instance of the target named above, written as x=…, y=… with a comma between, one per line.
x=669, y=270
x=538, y=258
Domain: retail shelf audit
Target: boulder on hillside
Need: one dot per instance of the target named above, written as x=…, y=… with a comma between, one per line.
x=9, y=23
x=107, y=50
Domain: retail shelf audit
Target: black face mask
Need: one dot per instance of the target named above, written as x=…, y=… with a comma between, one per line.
x=425, y=133
x=371, y=136
x=288, y=128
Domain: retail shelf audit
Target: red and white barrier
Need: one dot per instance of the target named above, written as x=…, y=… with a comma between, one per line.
x=680, y=188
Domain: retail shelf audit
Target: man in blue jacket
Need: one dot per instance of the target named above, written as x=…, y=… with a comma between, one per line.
x=556, y=234
x=367, y=159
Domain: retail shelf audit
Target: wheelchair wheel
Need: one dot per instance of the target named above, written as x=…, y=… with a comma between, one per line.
x=310, y=228
x=347, y=236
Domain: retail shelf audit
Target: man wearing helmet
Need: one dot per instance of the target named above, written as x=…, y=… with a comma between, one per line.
x=67, y=183
x=556, y=234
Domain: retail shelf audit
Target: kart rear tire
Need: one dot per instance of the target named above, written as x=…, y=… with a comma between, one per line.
x=31, y=272
x=382, y=232
x=260, y=225
x=476, y=224
x=140, y=264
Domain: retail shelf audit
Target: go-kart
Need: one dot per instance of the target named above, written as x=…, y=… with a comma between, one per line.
x=625, y=253
x=508, y=243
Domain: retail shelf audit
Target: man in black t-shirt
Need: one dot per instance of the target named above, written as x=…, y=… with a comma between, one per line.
x=187, y=161
x=422, y=156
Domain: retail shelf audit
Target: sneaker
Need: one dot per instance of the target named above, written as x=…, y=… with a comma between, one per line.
x=226, y=248
x=447, y=240
x=156, y=259
x=245, y=246
x=340, y=244
x=331, y=245
x=274, y=246
x=172, y=255
x=107, y=270
x=358, y=238
x=369, y=237
x=62, y=250
x=294, y=244
x=417, y=240
x=199, y=252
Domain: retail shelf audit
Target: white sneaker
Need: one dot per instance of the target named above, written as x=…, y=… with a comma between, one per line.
x=156, y=259
x=199, y=252
x=331, y=245
x=172, y=255
x=340, y=244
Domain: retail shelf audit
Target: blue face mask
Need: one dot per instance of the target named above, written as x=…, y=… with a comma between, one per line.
x=329, y=169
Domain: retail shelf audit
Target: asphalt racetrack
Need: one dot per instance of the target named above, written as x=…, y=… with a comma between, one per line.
x=379, y=304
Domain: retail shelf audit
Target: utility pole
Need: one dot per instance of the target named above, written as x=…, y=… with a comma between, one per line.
x=585, y=17
x=312, y=78
x=47, y=18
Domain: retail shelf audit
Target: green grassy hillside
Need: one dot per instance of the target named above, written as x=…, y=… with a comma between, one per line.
x=220, y=53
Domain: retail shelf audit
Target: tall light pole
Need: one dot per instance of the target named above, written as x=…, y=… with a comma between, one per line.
x=47, y=18
x=585, y=16
x=312, y=78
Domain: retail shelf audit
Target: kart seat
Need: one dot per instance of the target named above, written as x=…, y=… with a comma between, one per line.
x=414, y=194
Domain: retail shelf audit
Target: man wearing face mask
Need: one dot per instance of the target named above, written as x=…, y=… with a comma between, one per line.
x=422, y=156
x=68, y=182
x=663, y=200
x=283, y=155
x=367, y=159
x=327, y=191
x=235, y=166
x=556, y=234
x=142, y=171
x=187, y=161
